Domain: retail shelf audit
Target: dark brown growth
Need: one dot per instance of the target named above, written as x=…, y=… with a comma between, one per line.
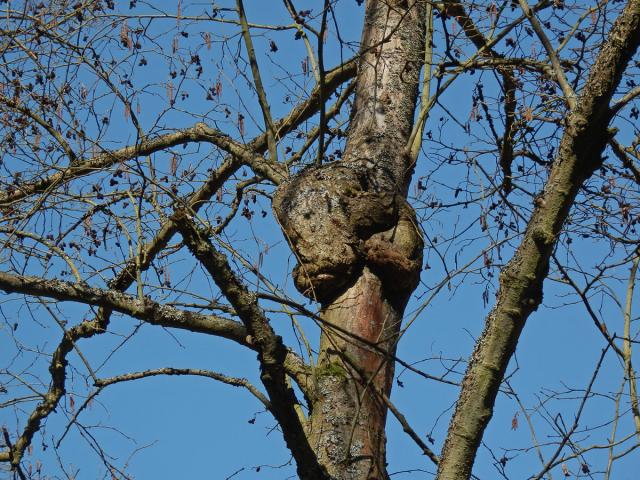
x=342, y=216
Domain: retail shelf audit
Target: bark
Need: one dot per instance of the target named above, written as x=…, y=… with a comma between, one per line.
x=358, y=248
x=520, y=292
x=114, y=300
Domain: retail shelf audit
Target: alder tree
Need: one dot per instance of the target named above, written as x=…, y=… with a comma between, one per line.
x=349, y=209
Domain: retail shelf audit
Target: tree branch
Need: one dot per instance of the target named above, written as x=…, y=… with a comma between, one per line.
x=271, y=350
x=629, y=371
x=199, y=132
x=561, y=78
x=257, y=80
x=234, y=381
x=520, y=292
x=146, y=310
x=621, y=153
x=628, y=97
x=485, y=47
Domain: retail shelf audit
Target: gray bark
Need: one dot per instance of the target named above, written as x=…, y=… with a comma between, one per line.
x=358, y=247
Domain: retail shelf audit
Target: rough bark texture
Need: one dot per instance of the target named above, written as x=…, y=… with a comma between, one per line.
x=348, y=418
x=358, y=246
x=520, y=293
x=328, y=213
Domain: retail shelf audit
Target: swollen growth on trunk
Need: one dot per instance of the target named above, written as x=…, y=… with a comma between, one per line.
x=358, y=246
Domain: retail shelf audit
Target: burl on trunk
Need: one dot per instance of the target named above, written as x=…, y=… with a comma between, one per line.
x=358, y=246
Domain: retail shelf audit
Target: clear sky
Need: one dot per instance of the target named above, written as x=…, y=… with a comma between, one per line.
x=190, y=427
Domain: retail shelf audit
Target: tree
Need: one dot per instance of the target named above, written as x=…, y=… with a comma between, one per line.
x=130, y=178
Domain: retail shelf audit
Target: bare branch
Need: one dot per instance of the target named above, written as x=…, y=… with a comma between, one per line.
x=623, y=155
x=569, y=94
x=257, y=80
x=272, y=352
x=146, y=310
x=630, y=372
x=567, y=435
x=624, y=101
x=233, y=381
x=198, y=133
x=521, y=280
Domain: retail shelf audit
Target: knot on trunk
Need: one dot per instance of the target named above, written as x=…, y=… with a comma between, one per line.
x=342, y=216
x=395, y=255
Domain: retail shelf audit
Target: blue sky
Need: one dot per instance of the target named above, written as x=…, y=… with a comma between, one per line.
x=194, y=427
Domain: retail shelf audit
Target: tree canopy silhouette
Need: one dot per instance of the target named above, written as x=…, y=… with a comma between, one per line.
x=313, y=183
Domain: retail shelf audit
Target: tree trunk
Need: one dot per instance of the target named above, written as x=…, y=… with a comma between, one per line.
x=358, y=248
x=348, y=418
